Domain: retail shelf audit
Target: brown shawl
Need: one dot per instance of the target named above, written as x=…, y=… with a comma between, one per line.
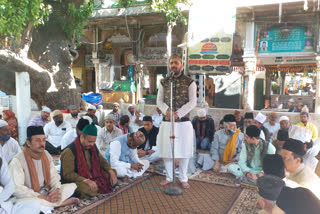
x=32, y=170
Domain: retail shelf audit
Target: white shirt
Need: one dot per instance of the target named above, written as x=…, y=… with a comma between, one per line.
x=55, y=133
x=133, y=126
x=72, y=120
x=157, y=119
x=105, y=137
x=186, y=108
x=115, y=151
x=272, y=129
x=68, y=138
x=309, y=158
x=9, y=149
x=8, y=188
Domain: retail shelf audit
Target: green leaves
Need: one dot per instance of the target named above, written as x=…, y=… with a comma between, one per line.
x=15, y=14
x=76, y=18
x=168, y=8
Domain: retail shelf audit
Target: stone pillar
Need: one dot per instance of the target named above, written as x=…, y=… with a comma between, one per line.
x=97, y=68
x=201, y=86
x=317, y=101
x=23, y=100
x=249, y=58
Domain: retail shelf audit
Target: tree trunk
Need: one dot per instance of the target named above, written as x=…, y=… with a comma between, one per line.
x=52, y=54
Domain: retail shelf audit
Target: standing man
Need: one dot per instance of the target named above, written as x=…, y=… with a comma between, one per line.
x=73, y=118
x=116, y=112
x=304, y=118
x=184, y=100
x=42, y=119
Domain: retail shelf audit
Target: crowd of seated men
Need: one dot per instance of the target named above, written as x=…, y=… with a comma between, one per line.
x=267, y=152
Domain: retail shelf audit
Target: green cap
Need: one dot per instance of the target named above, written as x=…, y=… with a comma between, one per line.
x=90, y=130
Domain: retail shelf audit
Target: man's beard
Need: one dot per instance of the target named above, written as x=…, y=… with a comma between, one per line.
x=74, y=114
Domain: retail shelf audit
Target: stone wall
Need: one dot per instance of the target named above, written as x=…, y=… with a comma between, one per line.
x=218, y=113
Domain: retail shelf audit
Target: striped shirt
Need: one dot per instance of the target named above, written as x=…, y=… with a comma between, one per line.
x=37, y=121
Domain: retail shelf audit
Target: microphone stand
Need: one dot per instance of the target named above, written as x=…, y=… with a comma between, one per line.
x=173, y=189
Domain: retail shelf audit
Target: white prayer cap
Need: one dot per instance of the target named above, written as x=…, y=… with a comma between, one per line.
x=130, y=105
x=87, y=118
x=260, y=118
x=116, y=104
x=201, y=112
x=291, y=100
x=304, y=135
x=305, y=109
x=3, y=123
x=46, y=109
x=92, y=107
x=56, y=113
x=109, y=117
x=284, y=118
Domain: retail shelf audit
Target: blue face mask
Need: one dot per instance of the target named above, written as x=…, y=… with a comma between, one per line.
x=231, y=132
x=5, y=138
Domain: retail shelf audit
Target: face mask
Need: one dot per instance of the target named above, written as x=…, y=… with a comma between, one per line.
x=231, y=132
x=74, y=114
x=58, y=122
x=5, y=137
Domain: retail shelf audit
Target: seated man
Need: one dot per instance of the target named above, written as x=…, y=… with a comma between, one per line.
x=203, y=125
x=9, y=147
x=135, y=118
x=107, y=133
x=292, y=153
x=124, y=124
x=258, y=121
x=272, y=125
x=123, y=157
x=35, y=176
x=7, y=189
x=282, y=137
x=116, y=112
x=304, y=118
x=54, y=132
x=157, y=118
x=276, y=198
x=72, y=134
x=274, y=165
x=239, y=119
x=83, y=164
x=73, y=118
x=251, y=156
x=148, y=150
x=92, y=114
x=285, y=124
x=247, y=121
x=42, y=119
x=227, y=144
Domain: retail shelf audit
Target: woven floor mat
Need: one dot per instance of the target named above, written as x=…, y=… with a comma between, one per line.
x=148, y=197
x=87, y=204
x=210, y=176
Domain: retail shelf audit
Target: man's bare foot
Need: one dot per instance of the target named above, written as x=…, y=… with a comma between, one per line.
x=185, y=185
x=70, y=201
x=164, y=182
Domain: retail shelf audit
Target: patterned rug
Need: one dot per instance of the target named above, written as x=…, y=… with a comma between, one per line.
x=148, y=197
x=95, y=201
x=210, y=176
x=246, y=203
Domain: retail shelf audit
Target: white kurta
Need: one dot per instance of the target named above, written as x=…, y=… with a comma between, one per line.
x=72, y=120
x=157, y=119
x=9, y=149
x=133, y=125
x=55, y=133
x=124, y=169
x=6, y=205
x=105, y=137
x=23, y=187
x=184, y=133
x=68, y=138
